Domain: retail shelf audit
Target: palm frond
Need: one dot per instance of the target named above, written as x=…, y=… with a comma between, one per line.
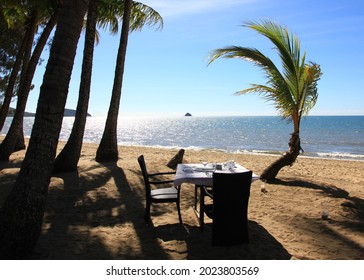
x=277, y=87
x=293, y=90
x=111, y=12
x=248, y=54
x=144, y=15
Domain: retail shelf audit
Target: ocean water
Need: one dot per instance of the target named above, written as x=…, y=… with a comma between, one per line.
x=321, y=136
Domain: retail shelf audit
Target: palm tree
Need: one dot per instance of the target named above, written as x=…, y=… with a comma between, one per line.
x=14, y=139
x=293, y=90
x=22, y=212
x=106, y=13
x=14, y=11
x=68, y=158
x=132, y=19
x=108, y=148
x=13, y=45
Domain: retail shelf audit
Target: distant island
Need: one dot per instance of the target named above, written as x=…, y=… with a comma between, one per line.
x=188, y=115
x=11, y=113
x=72, y=113
x=67, y=113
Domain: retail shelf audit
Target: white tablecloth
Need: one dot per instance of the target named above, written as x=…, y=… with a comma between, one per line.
x=197, y=174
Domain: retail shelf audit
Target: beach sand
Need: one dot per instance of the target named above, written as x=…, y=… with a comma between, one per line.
x=97, y=212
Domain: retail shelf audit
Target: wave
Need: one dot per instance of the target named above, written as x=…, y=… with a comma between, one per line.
x=337, y=155
x=334, y=155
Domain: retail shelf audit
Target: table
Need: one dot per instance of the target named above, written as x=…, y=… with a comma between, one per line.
x=197, y=174
x=200, y=175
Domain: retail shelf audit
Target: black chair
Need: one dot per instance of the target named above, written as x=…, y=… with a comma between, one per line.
x=158, y=195
x=229, y=208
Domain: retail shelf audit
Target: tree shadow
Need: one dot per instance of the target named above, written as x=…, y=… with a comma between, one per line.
x=353, y=247
x=75, y=221
x=353, y=204
x=69, y=215
x=72, y=216
x=9, y=171
x=12, y=163
x=134, y=209
x=327, y=189
x=353, y=211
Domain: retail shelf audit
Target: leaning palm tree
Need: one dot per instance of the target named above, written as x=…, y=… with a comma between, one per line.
x=14, y=11
x=14, y=139
x=68, y=158
x=135, y=16
x=293, y=90
x=21, y=214
x=13, y=30
x=108, y=148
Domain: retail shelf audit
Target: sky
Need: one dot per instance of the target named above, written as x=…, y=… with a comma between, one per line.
x=167, y=74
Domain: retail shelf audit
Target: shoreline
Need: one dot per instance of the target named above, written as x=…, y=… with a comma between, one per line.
x=97, y=212
x=243, y=152
x=256, y=153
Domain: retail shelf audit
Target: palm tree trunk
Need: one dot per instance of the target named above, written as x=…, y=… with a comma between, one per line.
x=108, y=148
x=11, y=84
x=68, y=158
x=33, y=26
x=14, y=140
x=21, y=215
x=287, y=159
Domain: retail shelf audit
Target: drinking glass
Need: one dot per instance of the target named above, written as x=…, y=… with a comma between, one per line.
x=262, y=186
x=324, y=211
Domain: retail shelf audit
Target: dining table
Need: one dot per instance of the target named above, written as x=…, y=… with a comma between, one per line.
x=200, y=175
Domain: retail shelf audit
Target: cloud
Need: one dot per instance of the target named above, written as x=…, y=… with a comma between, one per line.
x=175, y=8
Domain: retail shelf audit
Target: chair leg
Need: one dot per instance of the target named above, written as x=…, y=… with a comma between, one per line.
x=147, y=213
x=179, y=213
x=178, y=207
x=202, y=213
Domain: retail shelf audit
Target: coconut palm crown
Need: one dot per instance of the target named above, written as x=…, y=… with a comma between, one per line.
x=293, y=89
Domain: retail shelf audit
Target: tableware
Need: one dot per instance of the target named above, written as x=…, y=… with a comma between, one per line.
x=188, y=170
x=231, y=164
x=204, y=169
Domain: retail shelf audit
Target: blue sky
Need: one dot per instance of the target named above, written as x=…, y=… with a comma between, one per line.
x=167, y=74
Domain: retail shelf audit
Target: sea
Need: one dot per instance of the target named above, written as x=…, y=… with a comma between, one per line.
x=335, y=137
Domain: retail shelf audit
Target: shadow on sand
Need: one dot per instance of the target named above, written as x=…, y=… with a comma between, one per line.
x=351, y=204
x=80, y=207
x=198, y=244
x=72, y=217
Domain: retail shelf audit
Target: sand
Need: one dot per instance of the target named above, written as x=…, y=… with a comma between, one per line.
x=97, y=212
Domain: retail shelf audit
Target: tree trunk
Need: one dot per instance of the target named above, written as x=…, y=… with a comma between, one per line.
x=287, y=159
x=22, y=212
x=108, y=148
x=12, y=80
x=14, y=140
x=68, y=158
x=33, y=27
